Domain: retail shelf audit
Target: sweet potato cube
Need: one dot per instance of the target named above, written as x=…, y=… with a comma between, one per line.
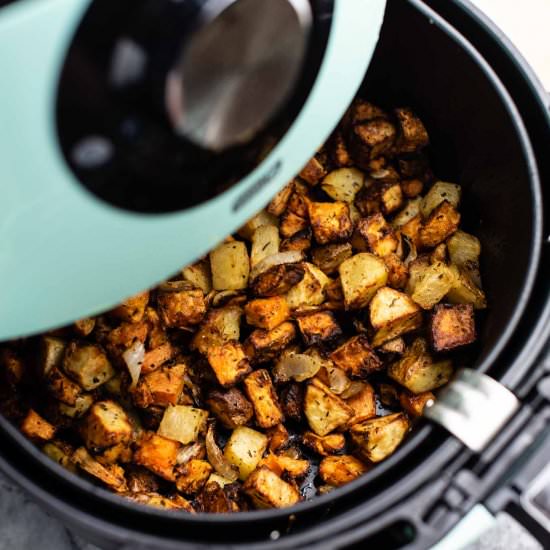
x=105, y=425
x=371, y=139
x=231, y=407
x=356, y=357
x=259, y=389
x=193, y=476
x=230, y=266
x=87, y=365
x=393, y=313
x=324, y=410
x=291, y=224
x=378, y=438
x=161, y=387
x=361, y=276
x=318, y=327
x=324, y=446
x=375, y=234
x=278, y=437
x=339, y=470
x=267, y=313
x=267, y=490
x=112, y=475
x=181, y=309
x=313, y=171
x=284, y=465
x=452, y=326
x=414, y=404
x=330, y=221
x=363, y=403
x=245, y=449
x=442, y=223
x=132, y=309
x=37, y=428
x=158, y=454
x=264, y=345
x=229, y=363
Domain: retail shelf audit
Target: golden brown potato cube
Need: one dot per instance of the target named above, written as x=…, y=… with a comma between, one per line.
x=161, y=387
x=158, y=454
x=37, y=428
x=52, y=351
x=371, y=139
x=264, y=345
x=280, y=201
x=267, y=490
x=245, y=449
x=87, y=365
x=375, y=234
x=398, y=272
x=343, y=184
x=442, y=223
x=230, y=266
x=231, y=407
x=300, y=241
x=193, y=476
x=265, y=242
x=356, y=357
x=324, y=446
x=181, y=309
x=199, y=275
x=318, y=327
x=392, y=313
x=417, y=372
x=363, y=403
x=397, y=345
x=429, y=284
x=361, y=276
x=411, y=229
x=229, y=363
x=313, y=171
x=330, y=221
x=324, y=410
x=452, y=326
x=339, y=470
x=105, y=425
x=412, y=133
x=329, y=257
x=62, y=387
x=310, y=291
x=220, y=325
x=278, y=437
x=277, y=280
x=112, y=475
x=267, y=313
x=132, y=309
x=298, y=203
x=414, y=404
x=291, y=224
x=261, y=218
x=284, y=465
x=84, y=327
x=259, y=389
x=391, y=197
x=412, y=188
x=465, y=291
x=378, y=438
x=439, y=192
x=340, y=155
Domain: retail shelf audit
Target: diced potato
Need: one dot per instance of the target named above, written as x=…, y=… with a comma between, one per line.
x=112, y=475
x=231, y=407
x=417, y=372
x=280, y=201
x=363, y=403
x=52, y=351
x=214, y=498
x=182, y=423
x=330, y=221
x=259, y=389
x=361, y=276
x=339, y=470
x=284, y=465
x=199, y=275
x=37, y=428
x=398, y=272
x=412, y=132
x=245, y=449
x=193, y=476
x=412, y=188
x=105, y=425
x=329, y=257
x=61, y=453
x=452, y=326
x=375, y=234
x=265, y=242
x=378, y=438
x=133, y=308
x=298, y=203
x=324, y=410
x=414, y=404
x=464, y=251
x=339, y=152
x=267, y=490
x=261, y=218
x=392, y=313
x=430, y=285
x=265, y=345
x=300, y=241
x=124, y=336
x=220, y=326
x=324, y=446
x=181, y=309
x=229, y=363
x=267, y=313
x=318, y=327
x=84, y=327
x=119, y=453
x=292, y=400
x=411, y=230
x=161, y=387
x=80, y=408
x=464, y=290
x=87, y=365
x=310, y=291
x=371, y=139
x=356, y=357
x=343, y=184
x=442, y=223
x=384, y=195
x=441, y=191
x=291, y=224
x=230, y=266
x=278, y=437
x=397, y=345
x=277, y=280
x=158, y=454
x=313, y=171
x=62, y=387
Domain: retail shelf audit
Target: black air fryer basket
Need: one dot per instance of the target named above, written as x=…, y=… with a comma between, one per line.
x=489, y=121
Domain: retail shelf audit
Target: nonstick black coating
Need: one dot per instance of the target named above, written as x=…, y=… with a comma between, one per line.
x=479, y=142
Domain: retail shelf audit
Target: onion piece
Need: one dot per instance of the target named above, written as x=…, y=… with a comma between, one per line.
x=353, y=389
x=296, y=366
x=217, y=459
x=189, y=452
x=338, y=382
x=133, y=357
x=287, y=257
x=413, y=254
